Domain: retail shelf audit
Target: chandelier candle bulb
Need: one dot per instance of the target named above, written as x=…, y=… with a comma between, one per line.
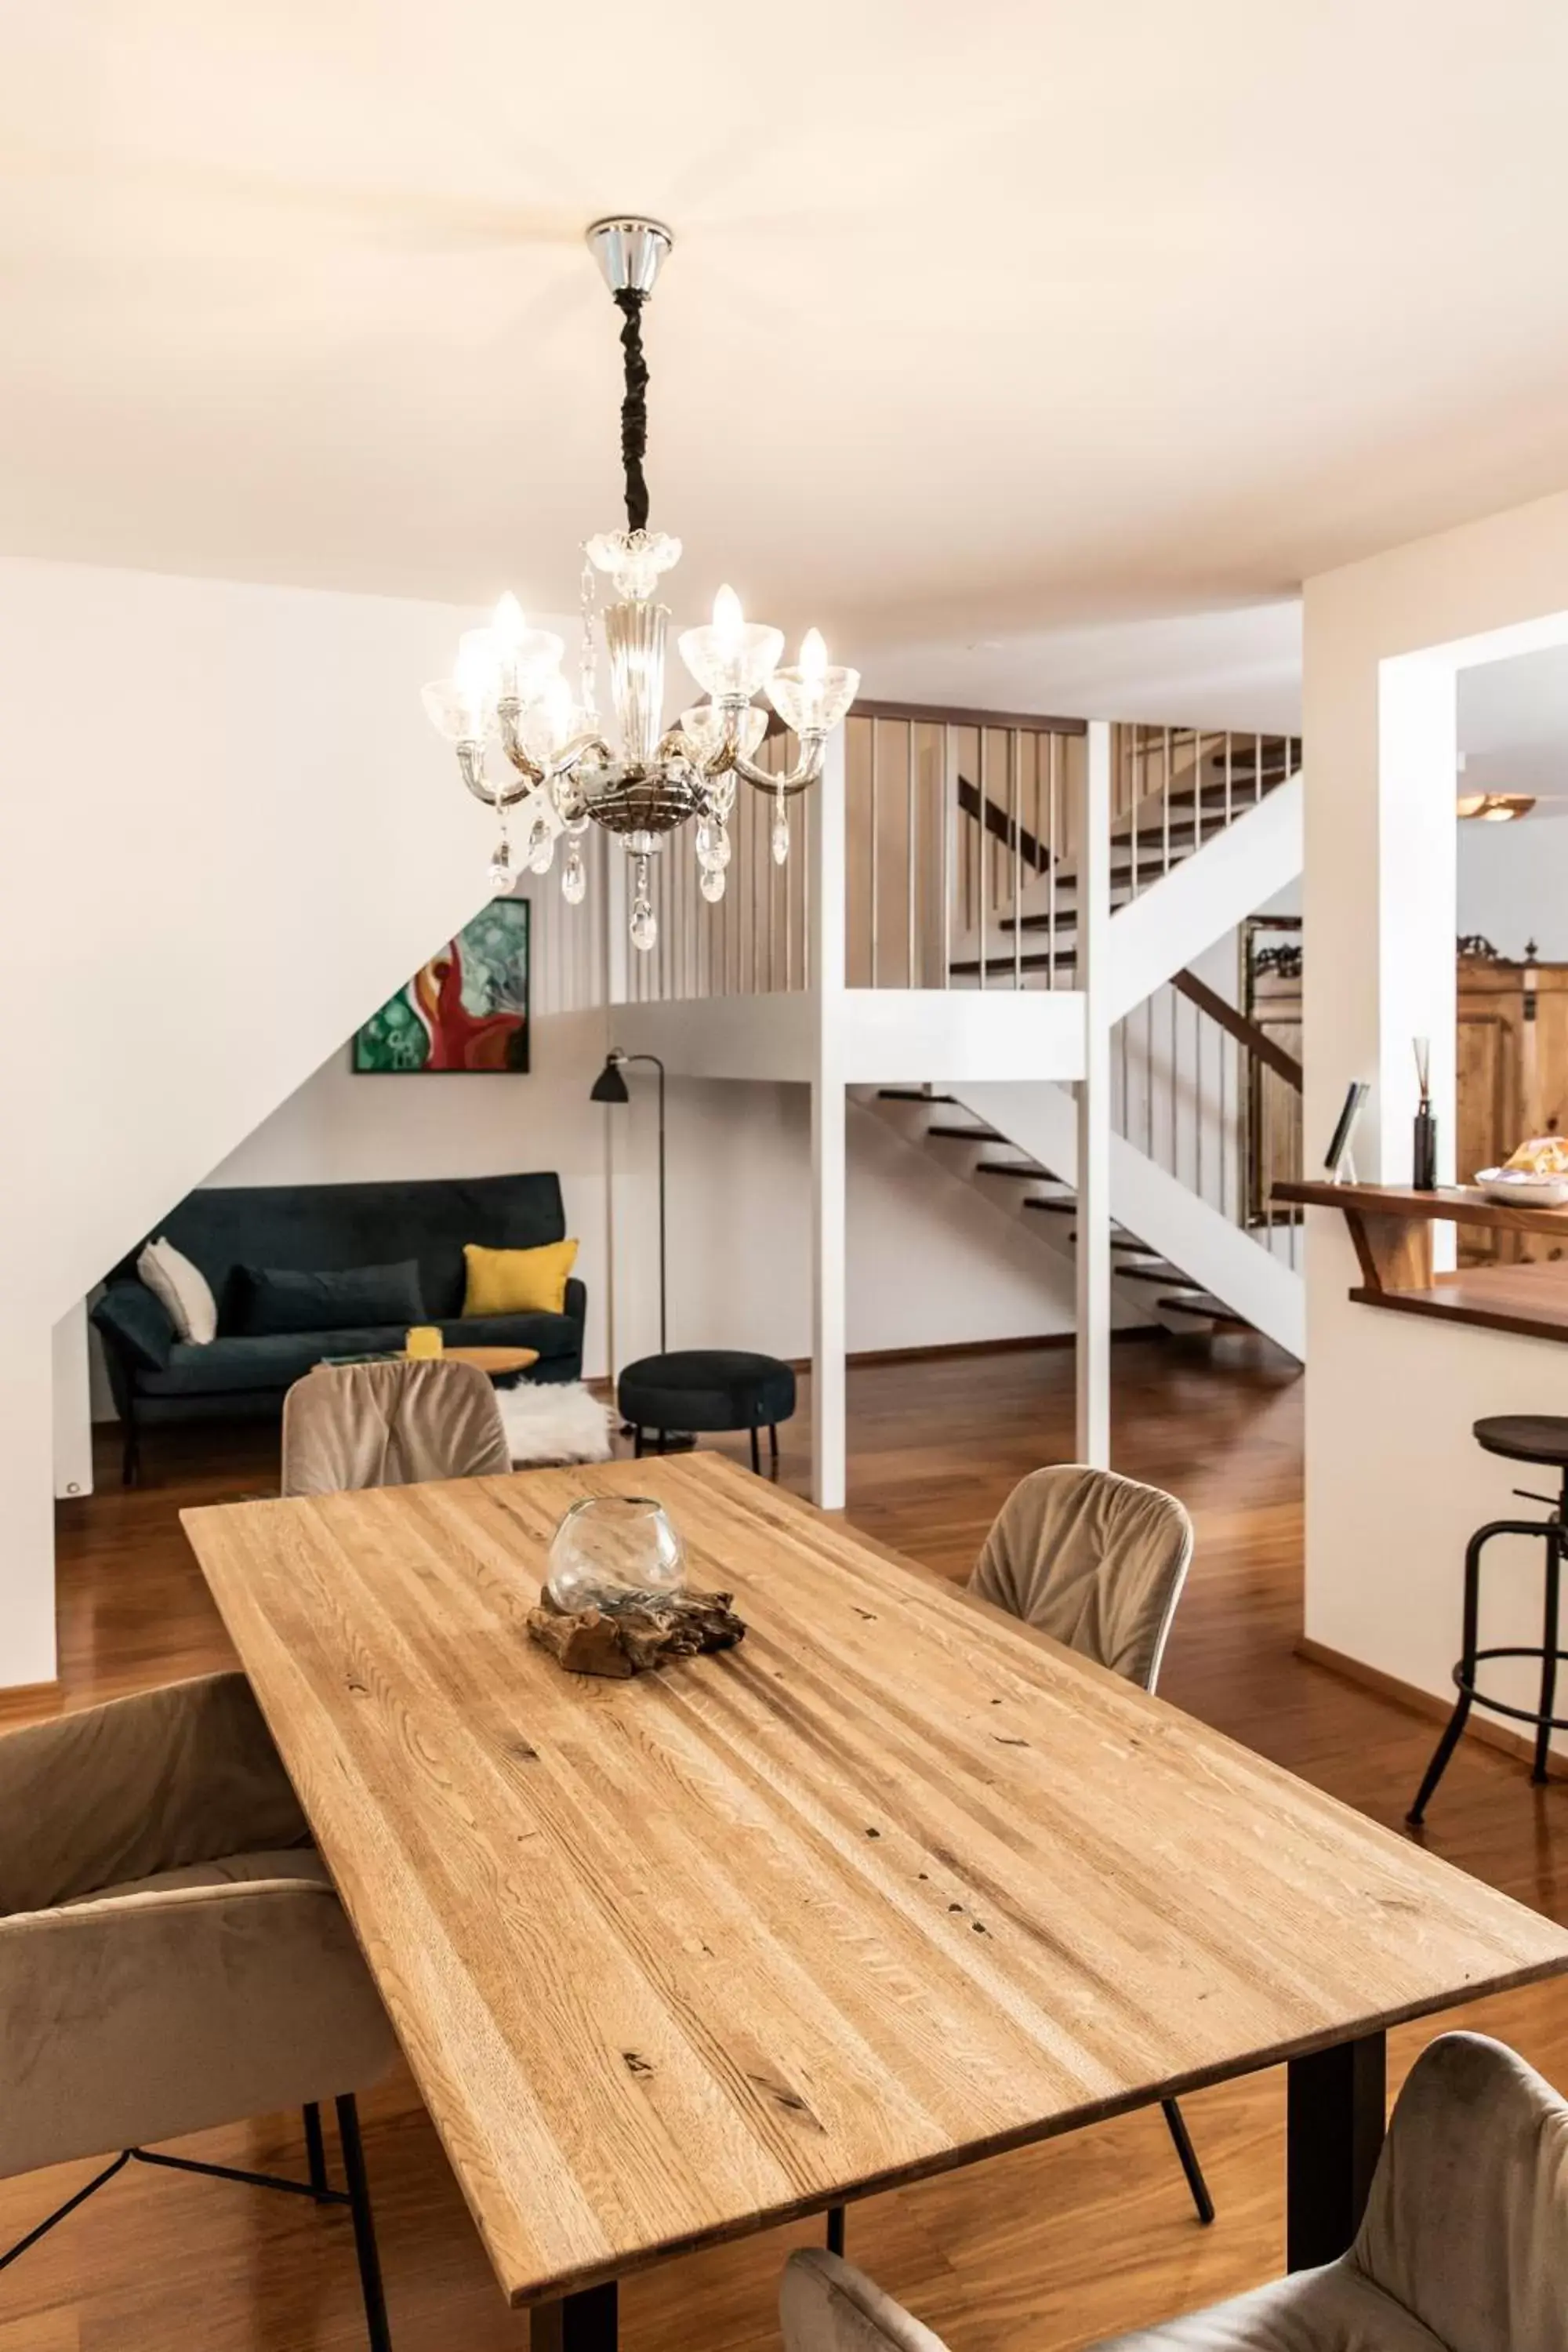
x=733, y=656
x=640, y=780
x=811, y=697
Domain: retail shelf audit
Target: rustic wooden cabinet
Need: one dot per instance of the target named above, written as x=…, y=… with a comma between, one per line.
x=1512, y=1081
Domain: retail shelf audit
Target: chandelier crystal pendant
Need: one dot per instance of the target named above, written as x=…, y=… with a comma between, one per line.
x=637, y=779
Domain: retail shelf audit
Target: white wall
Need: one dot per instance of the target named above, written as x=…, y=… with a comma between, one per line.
x=227, y=833
x=1513, y=884
x=1394, y=1482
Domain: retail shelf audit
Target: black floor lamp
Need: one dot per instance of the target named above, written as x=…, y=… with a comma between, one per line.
x=610, y=1087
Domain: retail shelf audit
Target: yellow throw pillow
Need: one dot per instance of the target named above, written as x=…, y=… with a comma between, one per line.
x=518, y=1282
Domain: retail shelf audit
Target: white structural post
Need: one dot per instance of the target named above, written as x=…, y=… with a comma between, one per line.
x=617, y=953
x=828, y=1330
x=73, y=1406
x=1093, y=1214
x=27, y=1506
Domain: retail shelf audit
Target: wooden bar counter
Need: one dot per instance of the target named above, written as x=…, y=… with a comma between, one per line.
x=1391, y=1226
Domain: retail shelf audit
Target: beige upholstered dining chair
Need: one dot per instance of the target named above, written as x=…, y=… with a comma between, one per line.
x=390, y=1424
x=1094, y=1560
x=173, y=1955
x=1097, y=1562
x=1464, y=2246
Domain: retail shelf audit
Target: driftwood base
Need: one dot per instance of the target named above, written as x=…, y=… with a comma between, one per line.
x=629, y=1639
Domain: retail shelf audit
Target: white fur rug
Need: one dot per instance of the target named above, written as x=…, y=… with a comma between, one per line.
x=555, y=1420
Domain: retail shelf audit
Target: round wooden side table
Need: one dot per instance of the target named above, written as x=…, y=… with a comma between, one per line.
x=499, y=1362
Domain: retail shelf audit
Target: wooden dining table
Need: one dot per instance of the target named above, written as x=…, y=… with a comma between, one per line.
x=893, y=1885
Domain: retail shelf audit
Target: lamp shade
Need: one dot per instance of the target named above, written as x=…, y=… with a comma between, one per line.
x=610, y=1085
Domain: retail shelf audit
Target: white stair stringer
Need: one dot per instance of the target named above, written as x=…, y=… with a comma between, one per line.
x=1209, y=893
x=1040, y=1119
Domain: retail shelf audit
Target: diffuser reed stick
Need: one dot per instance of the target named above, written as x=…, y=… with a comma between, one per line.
x=1423, y=1139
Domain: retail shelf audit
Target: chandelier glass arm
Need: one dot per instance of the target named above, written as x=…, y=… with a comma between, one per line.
x=806, y=771
x=512, y=743
x=471, y=768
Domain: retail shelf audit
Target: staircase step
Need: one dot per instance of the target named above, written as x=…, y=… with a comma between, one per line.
x=911, y=1094
x=1156, y=1270
x=965, y=1134
x=1065, y=917
x=1025, y=1170
x=1201, y=1302
x=1055, y=1205
x=1063, y=960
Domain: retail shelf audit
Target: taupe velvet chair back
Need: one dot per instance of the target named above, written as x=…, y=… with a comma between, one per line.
x=349, y=1425
x=1467, y=2226
x=173, y=1955
x=1095, y=1561
x=1464, y=2247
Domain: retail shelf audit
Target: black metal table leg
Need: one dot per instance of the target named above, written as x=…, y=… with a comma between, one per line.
x=1335, y=2114
x=588, y=2322
x=376, y=2322
x=756, y=1454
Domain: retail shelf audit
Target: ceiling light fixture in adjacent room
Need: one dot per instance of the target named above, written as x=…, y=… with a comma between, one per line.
x=649, y=780
x=1494, y=808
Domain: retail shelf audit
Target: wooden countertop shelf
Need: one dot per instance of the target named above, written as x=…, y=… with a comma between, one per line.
x=1391, y=1228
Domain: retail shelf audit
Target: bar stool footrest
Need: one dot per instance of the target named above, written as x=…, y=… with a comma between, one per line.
x=1466, y=1682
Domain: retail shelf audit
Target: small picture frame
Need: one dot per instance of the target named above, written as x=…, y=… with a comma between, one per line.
x=1339, y=1166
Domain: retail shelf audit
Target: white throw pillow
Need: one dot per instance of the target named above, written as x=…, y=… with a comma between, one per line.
x=184, y=1289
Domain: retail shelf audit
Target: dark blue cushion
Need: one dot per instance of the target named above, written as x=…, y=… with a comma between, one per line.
x=281, y=1298
x=706, y=1388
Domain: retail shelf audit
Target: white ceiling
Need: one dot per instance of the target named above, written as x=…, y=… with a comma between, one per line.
x=982, y=320
x=1240, y=668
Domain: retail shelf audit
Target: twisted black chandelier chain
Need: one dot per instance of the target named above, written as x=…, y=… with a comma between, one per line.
x=630, y=301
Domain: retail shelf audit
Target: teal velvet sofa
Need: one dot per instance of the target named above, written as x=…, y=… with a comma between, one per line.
x=321, y=1229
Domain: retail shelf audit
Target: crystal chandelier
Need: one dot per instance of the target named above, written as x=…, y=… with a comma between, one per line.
x=639, y=780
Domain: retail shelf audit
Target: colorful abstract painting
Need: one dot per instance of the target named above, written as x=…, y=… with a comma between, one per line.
x=467, y=1009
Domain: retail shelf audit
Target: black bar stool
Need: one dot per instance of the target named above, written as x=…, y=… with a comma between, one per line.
x=1519, y=1437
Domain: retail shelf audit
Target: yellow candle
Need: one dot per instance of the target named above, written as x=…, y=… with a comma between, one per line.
x=424, y=1341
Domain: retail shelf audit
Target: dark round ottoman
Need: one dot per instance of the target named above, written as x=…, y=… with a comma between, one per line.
x=707, y=1389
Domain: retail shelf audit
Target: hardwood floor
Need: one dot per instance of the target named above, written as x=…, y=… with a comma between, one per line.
x=1051, y=2247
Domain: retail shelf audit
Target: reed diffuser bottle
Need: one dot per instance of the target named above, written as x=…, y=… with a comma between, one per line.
x=1424, y=1153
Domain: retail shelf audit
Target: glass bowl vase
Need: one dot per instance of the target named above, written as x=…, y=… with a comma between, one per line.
x=612, y=1549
